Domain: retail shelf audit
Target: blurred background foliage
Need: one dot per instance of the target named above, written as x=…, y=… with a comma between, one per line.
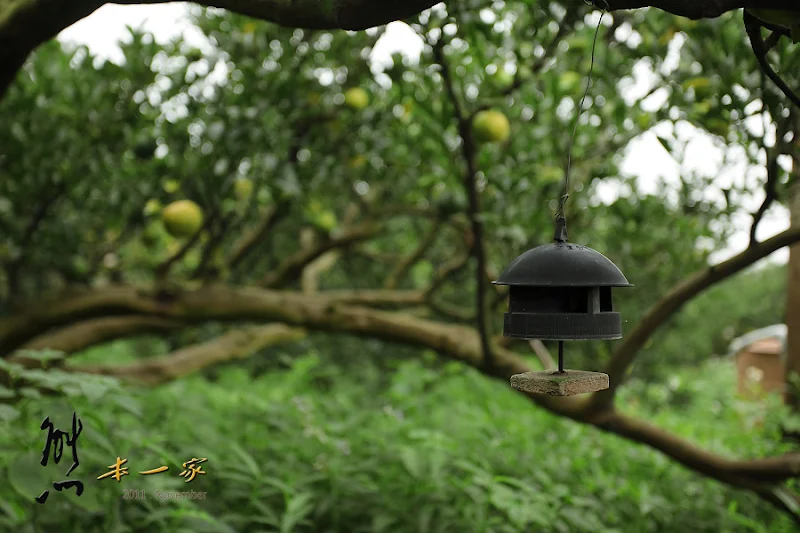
x=335, y=433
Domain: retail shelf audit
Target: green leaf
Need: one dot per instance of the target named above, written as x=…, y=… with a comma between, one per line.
x=8, y=413
x=28, y=477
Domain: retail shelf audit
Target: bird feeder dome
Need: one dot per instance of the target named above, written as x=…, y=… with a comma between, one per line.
x=562, y=264
x=562, y=291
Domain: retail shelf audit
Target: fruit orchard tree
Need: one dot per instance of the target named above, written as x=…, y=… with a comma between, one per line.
x=276, y=186
x=25, y=24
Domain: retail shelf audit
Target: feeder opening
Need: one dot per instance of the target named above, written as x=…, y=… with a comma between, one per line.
x=605, y=300
x=550, y=299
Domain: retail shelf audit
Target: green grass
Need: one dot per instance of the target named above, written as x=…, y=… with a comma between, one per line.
x=316, y=448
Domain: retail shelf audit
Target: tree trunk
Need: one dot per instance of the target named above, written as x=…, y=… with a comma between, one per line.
x=792, y=396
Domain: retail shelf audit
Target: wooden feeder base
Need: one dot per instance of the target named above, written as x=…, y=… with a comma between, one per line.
x=566, y=383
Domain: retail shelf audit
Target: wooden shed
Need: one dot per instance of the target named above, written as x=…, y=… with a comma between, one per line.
x=760, y=363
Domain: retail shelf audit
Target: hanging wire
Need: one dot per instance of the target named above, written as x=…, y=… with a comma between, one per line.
x=560, y=212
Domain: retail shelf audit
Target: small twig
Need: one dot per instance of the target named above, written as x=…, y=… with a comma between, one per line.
x=453, y=266
x=217, y=234
x=397, y=275
x=40, y=213
x=259, y=234
x=162, y=270
x=753, y=27
x=292, y=267
x=770, y=187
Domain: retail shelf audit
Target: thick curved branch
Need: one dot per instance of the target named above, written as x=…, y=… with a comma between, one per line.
x=672, y=301
x=82, y=335
x=751, y=474
x=25, y=24
x=699, y=9
x=237, y=344
x=129, y=302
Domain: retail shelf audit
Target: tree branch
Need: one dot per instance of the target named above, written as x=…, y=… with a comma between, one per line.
x=162, y=270
x=543, y=354
x=30, y=23
x=82, y=335
x=402, y=268
x=770, y=192
x=751, y=474
x=204, y=269
x=699, y=9
x=443, y=274
x=292, y=267
x=672, y=301
x=453, y=312
x=237, y=344
x=753, y=27
x=468, y=151
x=38, y=216
x=257, y=236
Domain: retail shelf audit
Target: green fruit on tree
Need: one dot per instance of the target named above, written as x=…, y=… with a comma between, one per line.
x=326, y=220
x=491, y=126
x=568, y=81
x=356, y=98
x=243, y=188
x=171, y=185
x=152, y=207
x=183, y=218
x=151, y=234
x=502, y=79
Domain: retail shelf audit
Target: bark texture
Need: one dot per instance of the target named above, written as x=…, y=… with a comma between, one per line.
x=25, y=24
x=237, y=344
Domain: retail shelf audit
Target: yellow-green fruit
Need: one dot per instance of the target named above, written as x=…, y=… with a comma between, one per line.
x=182, y=218
x=243, y=188
x=502, y=79
x=152, y=207
x=356, y=98
x=568, y=81
x=491, y=126
x=171, y=185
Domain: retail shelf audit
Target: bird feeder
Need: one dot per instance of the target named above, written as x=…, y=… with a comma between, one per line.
x=560, y=292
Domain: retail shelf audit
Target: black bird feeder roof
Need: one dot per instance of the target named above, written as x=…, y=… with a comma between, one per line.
x=562, y=264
